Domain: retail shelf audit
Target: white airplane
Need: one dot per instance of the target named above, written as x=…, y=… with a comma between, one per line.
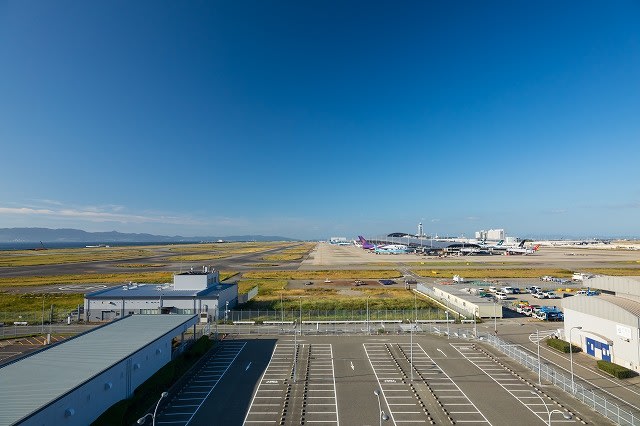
x=523, y=250
x=390, y=249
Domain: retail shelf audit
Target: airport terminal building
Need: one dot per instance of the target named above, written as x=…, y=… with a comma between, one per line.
x=610, y=322
x=193, y=292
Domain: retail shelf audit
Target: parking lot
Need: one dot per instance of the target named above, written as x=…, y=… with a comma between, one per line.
x=354, y=380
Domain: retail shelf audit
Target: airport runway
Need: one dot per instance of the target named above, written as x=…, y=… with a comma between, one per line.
x=328, y=380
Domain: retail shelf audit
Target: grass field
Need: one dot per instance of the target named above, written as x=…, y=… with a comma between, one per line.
x=29, y=302
x=54, y=257
x=317, y=275
x=115, y=278
x=295, y=253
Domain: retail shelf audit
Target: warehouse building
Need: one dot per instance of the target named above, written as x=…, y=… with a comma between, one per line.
x=455, y=298
x=74, y=382
x=607, y=326
x=192, y=292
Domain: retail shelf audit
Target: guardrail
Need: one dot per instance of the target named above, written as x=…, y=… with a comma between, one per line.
x=579, y=390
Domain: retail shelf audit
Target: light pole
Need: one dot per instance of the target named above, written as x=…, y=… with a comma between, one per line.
x=539, y=362
x=295, y=352
x=411, y=350
x=300, y=315
x=226, y=311
x=281, y=309
x=566, y=415
x=368, y=330
x=475, y=324
x=447, y=314
x=43, y=313
x=495, y=317
x=142, y=419
x=381, y=413
x=571, y=356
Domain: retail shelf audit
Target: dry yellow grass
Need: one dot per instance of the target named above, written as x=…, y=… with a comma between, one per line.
x=493, y=273
x=55, y=257
x=316, y=275
x=115, y=278
x=196, y=257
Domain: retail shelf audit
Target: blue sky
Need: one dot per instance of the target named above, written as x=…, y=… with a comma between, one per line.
x=321, y=118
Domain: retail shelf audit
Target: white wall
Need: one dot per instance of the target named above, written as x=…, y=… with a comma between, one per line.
x=90, y=400
x=623, y=352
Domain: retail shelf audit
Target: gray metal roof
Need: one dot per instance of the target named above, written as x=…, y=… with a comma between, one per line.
x=613, y=308
x=154, y=291
x=619, y=285
x=33, y=382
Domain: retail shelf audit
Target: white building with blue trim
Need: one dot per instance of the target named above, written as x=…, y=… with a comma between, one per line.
x=192, y=292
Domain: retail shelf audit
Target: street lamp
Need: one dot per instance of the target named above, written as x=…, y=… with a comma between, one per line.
x=295, y=352
x=571, y=356
x=495, y=317
x=411, y=349
x=226, y=311
x=447, y=314
x=368, y=330
x=142, y=419
x=566, y=415
x=382, y=415
x=300, y=315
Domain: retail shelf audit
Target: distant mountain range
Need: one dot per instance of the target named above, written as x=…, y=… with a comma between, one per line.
x=28, y=235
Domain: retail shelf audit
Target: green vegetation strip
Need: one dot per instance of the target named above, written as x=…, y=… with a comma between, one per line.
x=128, y=411
x=562, y=346
x=31, y=302
x=615, y=370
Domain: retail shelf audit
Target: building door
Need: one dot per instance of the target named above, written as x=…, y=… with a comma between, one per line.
x=598, y=350
x=591, y=350
x=606, y=352
x=108, y=315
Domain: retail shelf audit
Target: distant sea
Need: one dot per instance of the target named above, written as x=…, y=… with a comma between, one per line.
x=60, y=245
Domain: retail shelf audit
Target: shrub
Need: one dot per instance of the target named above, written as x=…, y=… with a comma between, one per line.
x=616, y=370
x=562, y=346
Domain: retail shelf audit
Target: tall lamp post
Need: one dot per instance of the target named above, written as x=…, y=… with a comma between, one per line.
x=142, y=419
x=381, y=414
x=447, y=314
x=495, y=317
x=566, y=415
x=411, y=349
x=573, y=387
x=368, y=330
x=295, y=352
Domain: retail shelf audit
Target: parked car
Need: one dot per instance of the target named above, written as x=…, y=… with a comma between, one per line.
x=533, y=289
x=501, y=295
x=551, y=295
x=539, y=295
x=508, y=290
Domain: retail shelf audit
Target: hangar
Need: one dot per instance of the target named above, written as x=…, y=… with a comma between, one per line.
x=192, y=292
x=607, y=326
x=75, y=381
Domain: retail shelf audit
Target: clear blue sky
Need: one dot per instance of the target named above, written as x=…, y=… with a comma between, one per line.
x=311, y=119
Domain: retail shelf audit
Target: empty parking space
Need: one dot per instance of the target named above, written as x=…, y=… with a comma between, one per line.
x=184, y=405
x=297, y=387
x=516, y=386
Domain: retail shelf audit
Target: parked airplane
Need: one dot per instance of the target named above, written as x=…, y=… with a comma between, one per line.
x=523, y=250
x=383, y=249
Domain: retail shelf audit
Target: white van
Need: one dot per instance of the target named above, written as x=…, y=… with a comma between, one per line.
x=508, y=290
